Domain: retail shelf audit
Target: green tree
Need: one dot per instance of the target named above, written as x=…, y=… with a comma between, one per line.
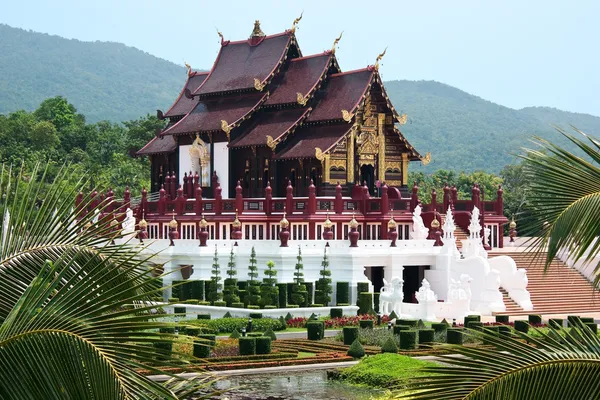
x=68, y=325
x=323, y=287
x=269, y=292
x=215, y=293
x=230, y=291
x=299, y=294
x=59, y=112
x=253, y=284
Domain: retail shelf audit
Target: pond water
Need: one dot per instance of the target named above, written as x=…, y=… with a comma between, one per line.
x=312, y=385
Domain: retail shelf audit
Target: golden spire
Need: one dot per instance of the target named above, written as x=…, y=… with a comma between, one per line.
x=236, y=221
x=257, y=32
x=296, y=22
x=392, y=223
x=203, y=223
x=353, y=222
x=143, y=223
x=327, y=224
x=379, y=57
x=173, y=222
x=512, y=224
x=189, y=68
x=435, y=223
x=284, y=223
x=335, y=42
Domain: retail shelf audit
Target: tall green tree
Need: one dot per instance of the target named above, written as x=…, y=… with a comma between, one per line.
x=75, y=321
x=299, y=293
x=323, y=287
x=269, y=292
x=215, y=293
x=253, y=284
x=230, y=290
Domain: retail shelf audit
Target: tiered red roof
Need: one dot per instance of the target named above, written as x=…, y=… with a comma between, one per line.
x=308, y=138
x=158, y=145
x=184, y=105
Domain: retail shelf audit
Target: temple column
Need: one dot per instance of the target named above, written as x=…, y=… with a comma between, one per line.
x=326, y=166
x=350, y=160
x=404, y=168
x=381, y=156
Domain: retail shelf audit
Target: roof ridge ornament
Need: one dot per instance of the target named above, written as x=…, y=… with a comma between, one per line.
x=272, y=143
x=347, y=116
x=379, y=57
x=257, y=32
x=258, y=85
x=296, y=22
x=402, y=119
x=301, y=99
x=319, y=155
x=220, y=35
x=335, y=43
x=225, y=128
x=425, y=160
x=188, y=67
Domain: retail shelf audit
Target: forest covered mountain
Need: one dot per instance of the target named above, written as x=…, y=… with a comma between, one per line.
x=111, y=81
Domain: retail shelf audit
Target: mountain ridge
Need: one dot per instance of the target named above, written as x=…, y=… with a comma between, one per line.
x=113, y=81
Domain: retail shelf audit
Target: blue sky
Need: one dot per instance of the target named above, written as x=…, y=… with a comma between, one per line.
x=515, y=53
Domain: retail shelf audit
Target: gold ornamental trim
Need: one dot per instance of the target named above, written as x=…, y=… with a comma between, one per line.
x=402, y=119
x=272, y=143
x=347, y=116
x=319, y=155
x=301, y=99
x=258, y=85
x=296, y=22
x=379, y=57
x=335, y=43
x=225, y=128
x=425, y=160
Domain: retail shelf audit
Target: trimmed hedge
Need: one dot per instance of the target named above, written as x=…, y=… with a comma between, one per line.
x=282, y=295
x=376, y=301
x=235, y=334
x=203, y=316
x=592, y=325
x=255, y=315
x=212, y=339
x=522, y=326
x=317, y=305
x=263, y=345
x=426, y=336
x=164, y=349
x=389, y=346
x=571, y=319
x=309, y=293
x=342, y=292
x=454, y=336
x=179, y=310
x=356, y=349
x=555, y=323
x=293, y=306
x=477, y=325
x=439, y=327
x=202, y=349
x=336, y=313
x=408, y=322
x=504, y=331
x=587, y=320
x=269, y=307
x=315, y=330
x=350, y=334
x=502, y=319
x=192, y=302
x=204, y=303
x=228, y=325
x=408, y=339
x=237, y=305
x=490, y=330
x=470, y=318
x=365, y=302
x=253, y=307
x=255, y=334
x=247, y=346
x=361, y=287
x=366, y=323
x=400, y=328
x=534, y=319
x=220, y=303
x=192, y=331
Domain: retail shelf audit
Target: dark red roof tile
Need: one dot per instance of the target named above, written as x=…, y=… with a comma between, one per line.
x=302, y=76
x=208, y=113
x=307, y=138
x=238, y=63
x=344, y=91
x=183, y=105
x=166, y=144
x=272, y=123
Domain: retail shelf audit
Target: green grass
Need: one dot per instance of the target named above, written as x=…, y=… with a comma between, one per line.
x=305, y=354
x=383, y=370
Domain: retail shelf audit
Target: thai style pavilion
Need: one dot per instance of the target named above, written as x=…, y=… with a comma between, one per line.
x=267, y=115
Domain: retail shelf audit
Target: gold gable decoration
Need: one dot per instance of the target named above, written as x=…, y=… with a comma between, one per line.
x=347, y=116
x=296, y=22
x=379, y=57
x=335, y=42
x=402, y=119
x=425, y=160
x=271, y=142
x=301, y=99
x=319, y=155
x=258, y=85
x=188, y=67
x=225, y=128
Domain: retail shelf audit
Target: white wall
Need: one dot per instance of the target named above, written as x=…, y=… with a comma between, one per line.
x=185, y=163
x=221, y=160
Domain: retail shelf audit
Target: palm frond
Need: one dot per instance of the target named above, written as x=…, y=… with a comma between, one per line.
x=557, y=365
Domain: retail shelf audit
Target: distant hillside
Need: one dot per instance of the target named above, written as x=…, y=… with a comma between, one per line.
x=115, y=82
x=104, y=80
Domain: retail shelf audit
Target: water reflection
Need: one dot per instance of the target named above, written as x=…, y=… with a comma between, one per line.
x=311, y=385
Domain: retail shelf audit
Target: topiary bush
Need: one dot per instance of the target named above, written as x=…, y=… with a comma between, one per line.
x=310, y=289
x=426, y=336
x=502, y=319
x=202, y=349
x=203, y=316
x=192, y=331
x=255, y=334
x=263, y=345
x=317, y=305
x=350, y=334
x=227, y=325
x=360, y=288
x=366, y=323
x=270, y=334
x=356, y=349
x=336, y=313
x=220, y=303
x=192, y=302
x=534, y=319
x=255, y=315
x=490, y=331
x=572, y=320
x=504, y=331
x=587, y=320
x=164, y=349
x=204, y=303
x=454, y=336
x=235, y=334
x=270, y=307
x=365, y=302
x=409, y=339
x=293, y=306
x=247, y=346
x=253, y=307
x=439, y=327
x=282, y=323
x=593, y=326
x=393, y=315
x=522, y=326
x=194, y=290
x=407, y=322
x=283, y=296
x=315, y=330
x=389, y=346
x=477, y=325
x=470, y=318
x=342, y=293
x=555, y=323
x=399, y=328
x=179, y=310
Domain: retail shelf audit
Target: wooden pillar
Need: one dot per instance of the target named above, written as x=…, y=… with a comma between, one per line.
x=404, y=168
x=381, y=156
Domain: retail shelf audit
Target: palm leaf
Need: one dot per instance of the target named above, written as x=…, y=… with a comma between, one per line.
x=67, y=326
x=565, y=197
x=557, y=365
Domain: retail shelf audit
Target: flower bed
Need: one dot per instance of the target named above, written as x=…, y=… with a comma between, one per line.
x=333, y=323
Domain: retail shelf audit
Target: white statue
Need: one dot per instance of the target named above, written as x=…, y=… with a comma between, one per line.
x=449, y=226
x=128, y=224
x=474, y=226
x=419, y=231
x=486, y=236
x=391, y=296
x=459, y=294
x=425, y=293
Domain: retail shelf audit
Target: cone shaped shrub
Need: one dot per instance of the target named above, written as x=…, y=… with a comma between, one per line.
x=235, y=334
x=421, y=324
x=270, y=334
x=389, y=346
x=393, y=315
x=227, y=315
x=356, y=349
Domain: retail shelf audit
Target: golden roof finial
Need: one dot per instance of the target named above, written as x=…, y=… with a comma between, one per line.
x=173, y=223
x=336, y=41
x=379, y=57
x=353, y=222
x=327, y=224
x=220, y=35
x=257, y=32
x=392, y=222
x=236, y=221
x=189, y=68
x=284, y=223
x=296, y=22
x=203, y=223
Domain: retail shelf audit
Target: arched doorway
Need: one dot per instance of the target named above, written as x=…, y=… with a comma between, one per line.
x=367, y=175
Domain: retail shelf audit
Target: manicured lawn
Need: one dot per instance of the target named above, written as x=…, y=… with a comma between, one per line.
x=305, y=354
x=383, y=370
